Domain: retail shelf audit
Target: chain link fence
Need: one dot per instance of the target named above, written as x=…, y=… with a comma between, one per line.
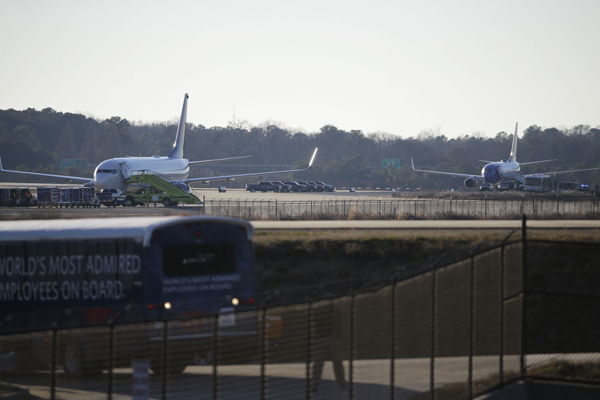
x=534, y=206
x=523, y=310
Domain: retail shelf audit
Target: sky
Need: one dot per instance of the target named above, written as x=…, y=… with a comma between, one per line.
x=456, y=67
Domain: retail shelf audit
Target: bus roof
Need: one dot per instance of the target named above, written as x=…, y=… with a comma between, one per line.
x=137, y=228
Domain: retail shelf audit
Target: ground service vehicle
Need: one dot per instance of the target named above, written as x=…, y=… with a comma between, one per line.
x=17, y=197
x=111, y=197
x=48, y=196
x=584, y=188
x=82, y=273
x=569, y=185
x=145, y=196
x=486, y=186
x=538, y=183
x=156, y=189
x=505, y=185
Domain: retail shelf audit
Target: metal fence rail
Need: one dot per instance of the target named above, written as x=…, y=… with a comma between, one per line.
x=534, y=206
x=455, y=332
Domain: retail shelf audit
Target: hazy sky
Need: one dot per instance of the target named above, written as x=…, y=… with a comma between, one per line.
x=391, y=66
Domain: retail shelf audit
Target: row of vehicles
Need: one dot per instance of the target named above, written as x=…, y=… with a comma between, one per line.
x=289, y=186
x=535, y=183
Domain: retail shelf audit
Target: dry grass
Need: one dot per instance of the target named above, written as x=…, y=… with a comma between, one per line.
x=562, y=371
x=475, y=195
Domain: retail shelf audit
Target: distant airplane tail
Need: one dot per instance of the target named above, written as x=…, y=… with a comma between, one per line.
x=177, y=151
x=513, y=150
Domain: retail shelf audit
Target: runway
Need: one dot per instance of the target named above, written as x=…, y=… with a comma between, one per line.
x=245, y=200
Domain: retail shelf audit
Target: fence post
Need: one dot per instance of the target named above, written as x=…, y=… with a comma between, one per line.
x=308, y=348
x=54, y=357
x=262, y=352
x=502, y=295
x=276, y=210
x=215, y=355
x=393, y=357
x=524, y=305
x=351, y=361
x=433, y=316
x=471, y=323
x=486, y=206
x=164, y=359
x=502, y=268
x=110, y=360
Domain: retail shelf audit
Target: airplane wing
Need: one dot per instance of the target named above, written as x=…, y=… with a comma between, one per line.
x=444, y=173
x=215, y=178
x=562, y=172
x=535, y=162
x=215, y=160
x=70, y=178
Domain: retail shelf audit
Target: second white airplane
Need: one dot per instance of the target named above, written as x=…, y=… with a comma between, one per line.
x=504, y=170
x=115, y=173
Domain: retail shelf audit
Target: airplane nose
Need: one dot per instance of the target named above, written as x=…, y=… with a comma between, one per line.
x=102, y=182
x=491, y=175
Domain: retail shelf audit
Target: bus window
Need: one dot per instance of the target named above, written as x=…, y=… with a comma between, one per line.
x=199, y=259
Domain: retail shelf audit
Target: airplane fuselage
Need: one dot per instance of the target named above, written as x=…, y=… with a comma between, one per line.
x=114, y=173
x=498, y=171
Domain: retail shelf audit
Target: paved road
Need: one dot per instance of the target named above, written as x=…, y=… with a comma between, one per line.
x=288, y=381
x=283, y=381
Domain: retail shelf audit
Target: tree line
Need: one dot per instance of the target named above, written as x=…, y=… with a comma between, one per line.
x=32, y=140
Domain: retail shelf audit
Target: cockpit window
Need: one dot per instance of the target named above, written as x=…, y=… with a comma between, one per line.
x=106, y=171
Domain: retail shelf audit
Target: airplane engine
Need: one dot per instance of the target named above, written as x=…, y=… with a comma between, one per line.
x=182, y=186
x=89, y=184
x=470, y=182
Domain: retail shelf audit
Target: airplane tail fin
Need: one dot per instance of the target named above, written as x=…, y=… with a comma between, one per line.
x=177, y=151
x=513, y=150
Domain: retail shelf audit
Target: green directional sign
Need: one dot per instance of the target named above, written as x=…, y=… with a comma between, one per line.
x=390, y=162
x=66, y=163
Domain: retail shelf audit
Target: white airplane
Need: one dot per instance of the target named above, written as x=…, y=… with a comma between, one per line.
x=114, y=173
x=504, y=170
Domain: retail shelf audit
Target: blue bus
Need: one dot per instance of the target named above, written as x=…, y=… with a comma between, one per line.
x=73, y=274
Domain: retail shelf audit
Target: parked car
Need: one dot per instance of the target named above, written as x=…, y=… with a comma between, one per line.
x=486, y=186
x=296, y=187
x=328, y=188
x=264, y=187
x=311, y=187
x=320, y=188
x=282, y=186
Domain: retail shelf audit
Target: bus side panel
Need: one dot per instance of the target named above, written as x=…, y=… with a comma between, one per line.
x=69, y=284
